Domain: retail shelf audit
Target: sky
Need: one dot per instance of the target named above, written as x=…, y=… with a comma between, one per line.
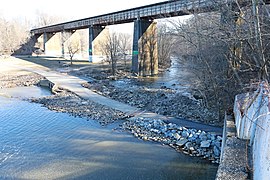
x=68, y=9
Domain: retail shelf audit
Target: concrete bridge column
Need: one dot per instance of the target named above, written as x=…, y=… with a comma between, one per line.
x=51, y=44
x=97, y=34
x=145, y=54
x=70, y=41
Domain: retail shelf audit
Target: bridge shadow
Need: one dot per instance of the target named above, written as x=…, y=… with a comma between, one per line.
x=55, y=62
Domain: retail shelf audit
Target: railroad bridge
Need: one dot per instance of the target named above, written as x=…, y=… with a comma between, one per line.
x=144, y=59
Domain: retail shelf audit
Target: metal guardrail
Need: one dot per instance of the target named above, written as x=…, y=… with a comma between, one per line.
x=153, y=11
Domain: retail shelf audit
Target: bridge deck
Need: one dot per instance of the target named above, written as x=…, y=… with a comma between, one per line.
x=153, y=11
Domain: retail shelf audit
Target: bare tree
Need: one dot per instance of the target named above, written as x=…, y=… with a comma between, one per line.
x=73, y=48
x=125, y=42
x=72, y=43
x=12, y=35
x=45, y=19
x=110, y=48
x=165, y=44
x=225, y=55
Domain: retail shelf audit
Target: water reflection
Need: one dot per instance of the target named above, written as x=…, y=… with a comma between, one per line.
x=176, y=77
x=36, y=143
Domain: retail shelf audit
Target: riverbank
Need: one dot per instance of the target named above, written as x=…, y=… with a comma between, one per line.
x=143, y=93
x=37, y=143
x=68, y=102
x=9, y=80
x=162, y=100
x=190, y=141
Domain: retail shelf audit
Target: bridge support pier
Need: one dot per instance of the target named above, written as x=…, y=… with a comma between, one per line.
x=145, y=54
x=70, y=43
x=97, y=34
x=51, y=44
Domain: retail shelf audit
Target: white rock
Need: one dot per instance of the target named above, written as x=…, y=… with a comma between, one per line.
x=205, y=144
x=176, y=136
x=181, y=142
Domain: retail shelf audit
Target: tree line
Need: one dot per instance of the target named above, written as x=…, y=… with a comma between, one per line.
x=228, y=51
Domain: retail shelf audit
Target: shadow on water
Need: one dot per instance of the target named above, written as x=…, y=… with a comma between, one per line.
x=40, y=144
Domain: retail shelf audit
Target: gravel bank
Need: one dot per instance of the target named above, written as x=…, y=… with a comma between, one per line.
x=9, y=80
x=68, y=102
x=164, y=101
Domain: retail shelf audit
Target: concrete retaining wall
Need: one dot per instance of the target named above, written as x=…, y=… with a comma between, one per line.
x=252, y=118
x=233, y=159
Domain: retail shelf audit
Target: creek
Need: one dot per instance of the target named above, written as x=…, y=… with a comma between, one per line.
x=36, y=143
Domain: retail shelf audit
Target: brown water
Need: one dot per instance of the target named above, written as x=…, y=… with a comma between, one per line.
x=36, y=143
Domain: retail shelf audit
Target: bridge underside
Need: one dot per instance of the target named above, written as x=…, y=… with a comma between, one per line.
x=144, y=56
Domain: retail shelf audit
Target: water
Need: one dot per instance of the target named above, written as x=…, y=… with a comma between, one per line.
x=176, y=77
x=25, y=92
x=36, y=143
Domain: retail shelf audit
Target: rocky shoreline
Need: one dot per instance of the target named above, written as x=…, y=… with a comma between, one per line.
x=68, y=102
x=164, y=101
x=192, y=142
x=9, y=81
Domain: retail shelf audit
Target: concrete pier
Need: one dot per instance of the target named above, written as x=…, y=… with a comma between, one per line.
x=97, y=35
x=145, y=54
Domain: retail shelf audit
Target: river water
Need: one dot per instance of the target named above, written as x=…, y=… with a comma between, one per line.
x=36, y=143
x=176, y=77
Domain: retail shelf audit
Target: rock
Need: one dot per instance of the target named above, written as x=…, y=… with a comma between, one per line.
x=203, y=137
x=185, y=134
x=219, y=138
x=216, y=151
x=176, y=136
x=188, y=145
x=181, y=142
x=145, y=138
x=198, y=141
x=216, y=143
x=205, y=144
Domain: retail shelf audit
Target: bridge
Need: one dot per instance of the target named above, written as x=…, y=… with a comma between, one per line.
x=144, y=59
